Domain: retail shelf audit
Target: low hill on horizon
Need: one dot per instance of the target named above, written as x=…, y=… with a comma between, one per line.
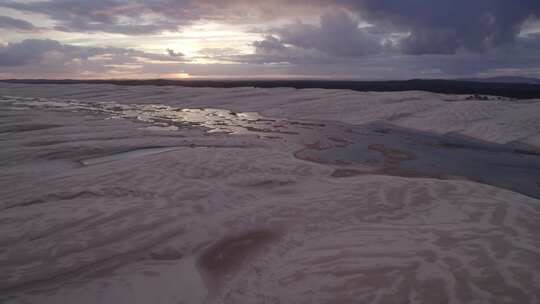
x=461, y=87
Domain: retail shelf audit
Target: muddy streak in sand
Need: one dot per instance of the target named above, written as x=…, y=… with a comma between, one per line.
x=226, y=256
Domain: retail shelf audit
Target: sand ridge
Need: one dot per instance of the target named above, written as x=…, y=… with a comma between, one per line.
x=158, y=227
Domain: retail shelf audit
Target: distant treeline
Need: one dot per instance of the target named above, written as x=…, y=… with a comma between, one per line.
x=512, y=90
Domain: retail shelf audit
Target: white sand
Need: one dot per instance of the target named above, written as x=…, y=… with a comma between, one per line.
x=237, y=219
x=499, y=121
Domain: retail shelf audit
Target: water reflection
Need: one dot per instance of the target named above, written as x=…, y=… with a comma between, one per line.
x=160, y=116
x=397, y=151
x=215, y=120
x=384, y=148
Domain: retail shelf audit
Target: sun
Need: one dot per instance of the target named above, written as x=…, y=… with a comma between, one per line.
x=179, y=76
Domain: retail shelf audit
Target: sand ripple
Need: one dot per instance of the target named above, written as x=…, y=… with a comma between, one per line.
x=238, y=219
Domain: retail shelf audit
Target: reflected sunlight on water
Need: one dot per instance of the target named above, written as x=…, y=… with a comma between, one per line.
x=160, y=116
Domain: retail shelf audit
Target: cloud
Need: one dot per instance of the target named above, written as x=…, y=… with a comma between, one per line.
x=273, y=57
x=49, y=57
x=27, y=52
x=374, y=38
x=427, y=26
x=338, y=35
x=446, y=26
x=36, y=51
x=337, y=38
x=134, y=17
x=172, y=53
x=273, y=50
x=15, y=24
x=433, y=27
x=114, y=16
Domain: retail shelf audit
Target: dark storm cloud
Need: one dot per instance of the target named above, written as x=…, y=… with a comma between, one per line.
x=272, y=56
x=337, y=35
x=273, y=50
x=337, y=38
x=436, y=47
x=445, y=26
x=26, y=52
x=432, y=26
x=15, y=24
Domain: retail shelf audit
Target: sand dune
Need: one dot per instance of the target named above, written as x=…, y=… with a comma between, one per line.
x=99, y=208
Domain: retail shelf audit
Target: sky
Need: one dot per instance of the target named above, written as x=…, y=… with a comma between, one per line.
x=328, y=39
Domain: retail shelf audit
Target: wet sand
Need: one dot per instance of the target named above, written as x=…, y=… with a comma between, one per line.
x=384, y=148
x=402, y=152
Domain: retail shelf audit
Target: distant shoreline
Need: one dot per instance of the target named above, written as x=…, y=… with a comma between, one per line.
x=511, y=90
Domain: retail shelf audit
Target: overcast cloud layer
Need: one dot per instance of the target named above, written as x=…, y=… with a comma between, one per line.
x=364, y=39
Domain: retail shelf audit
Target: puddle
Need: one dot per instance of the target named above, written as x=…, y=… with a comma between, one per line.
x=160, y=117
x=386, y=148
x=397, y=151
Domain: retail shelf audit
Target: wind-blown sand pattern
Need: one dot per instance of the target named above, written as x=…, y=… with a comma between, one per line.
x=109, y=196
